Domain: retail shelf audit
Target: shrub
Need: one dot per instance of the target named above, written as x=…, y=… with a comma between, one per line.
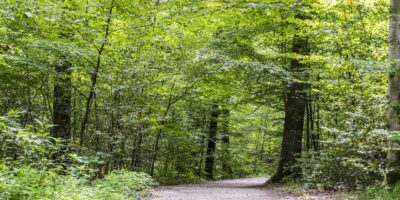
x=28, y=183
x=379, y=193
x=27, y=170
x=350, y=160
x=26, y=146
x=123, y=185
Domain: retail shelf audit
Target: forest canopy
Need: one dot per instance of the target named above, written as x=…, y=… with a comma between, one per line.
x=180, y=91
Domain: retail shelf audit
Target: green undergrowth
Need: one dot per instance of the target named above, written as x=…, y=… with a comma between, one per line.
x=379, y=193
x=29, y=183
x=374, y=192
x=34, y=165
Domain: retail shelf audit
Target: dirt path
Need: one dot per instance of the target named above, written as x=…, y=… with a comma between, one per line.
x=234, y=189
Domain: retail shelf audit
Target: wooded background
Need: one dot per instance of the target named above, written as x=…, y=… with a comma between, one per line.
x=186, y=89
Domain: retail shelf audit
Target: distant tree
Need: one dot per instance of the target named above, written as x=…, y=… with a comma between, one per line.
x=212, y=141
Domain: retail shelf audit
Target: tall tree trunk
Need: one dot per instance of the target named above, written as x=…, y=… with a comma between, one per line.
x=318, y=118
x=262, y=146
x=156, y=148
x=137, y=149
x=202, y=144
x=62, y=97
x=226, y=167
x=62, y=101
x=308, y=126
x=393, y=155
x=201, y=156
x=294, y=114
x=212, y=138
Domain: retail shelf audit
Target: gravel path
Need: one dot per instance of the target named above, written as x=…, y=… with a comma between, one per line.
x=234, y=189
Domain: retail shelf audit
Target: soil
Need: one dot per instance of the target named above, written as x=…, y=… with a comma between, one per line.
x=232, y=189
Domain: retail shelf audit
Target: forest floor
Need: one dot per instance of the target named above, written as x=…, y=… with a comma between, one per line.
x=234, y=189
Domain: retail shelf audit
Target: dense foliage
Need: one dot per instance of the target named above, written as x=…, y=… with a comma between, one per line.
x=29, y=172
x=185, y=90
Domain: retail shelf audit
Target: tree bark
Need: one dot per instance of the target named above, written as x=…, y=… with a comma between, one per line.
x=226, y=167
x=62, y=101
x=62, y=98
x=393, y=155
x=295, y=106
x=202, y=145
x=212, y=138
x=308, y=126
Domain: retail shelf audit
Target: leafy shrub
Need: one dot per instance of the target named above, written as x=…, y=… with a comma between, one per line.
x=379, y=193
x=26, y=146
x=350, y=160
x=28, y=183
x=27, y=170
x=123, y=184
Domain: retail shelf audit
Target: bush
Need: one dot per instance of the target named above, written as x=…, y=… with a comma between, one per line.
x=28, y=183
x=379, y=193
x=28, y=171
x=348, y=161
x=30, y=145
x=123, y=185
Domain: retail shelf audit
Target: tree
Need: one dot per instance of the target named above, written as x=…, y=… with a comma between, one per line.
x=225, y=132
x=393, y=155
x=295, y=104
x=95, y=74
x=62, y=101
x=143, y=85
x=212, y=141
x=62, y=87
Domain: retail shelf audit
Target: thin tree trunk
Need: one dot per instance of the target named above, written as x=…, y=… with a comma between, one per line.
x=73, y=116
x=393, y=155
x=308, y=135
x=156, y=149
x=136, y=152
x=159, y=133
x=171, y=101
x=212, y=138
x=312, y=128
x=262, y=146
x=201, y=155
x=317, y=138
x=201, y=152
x=318, y=118
x=95, y=74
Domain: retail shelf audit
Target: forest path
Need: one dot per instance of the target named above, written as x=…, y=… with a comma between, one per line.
x=232, y=189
